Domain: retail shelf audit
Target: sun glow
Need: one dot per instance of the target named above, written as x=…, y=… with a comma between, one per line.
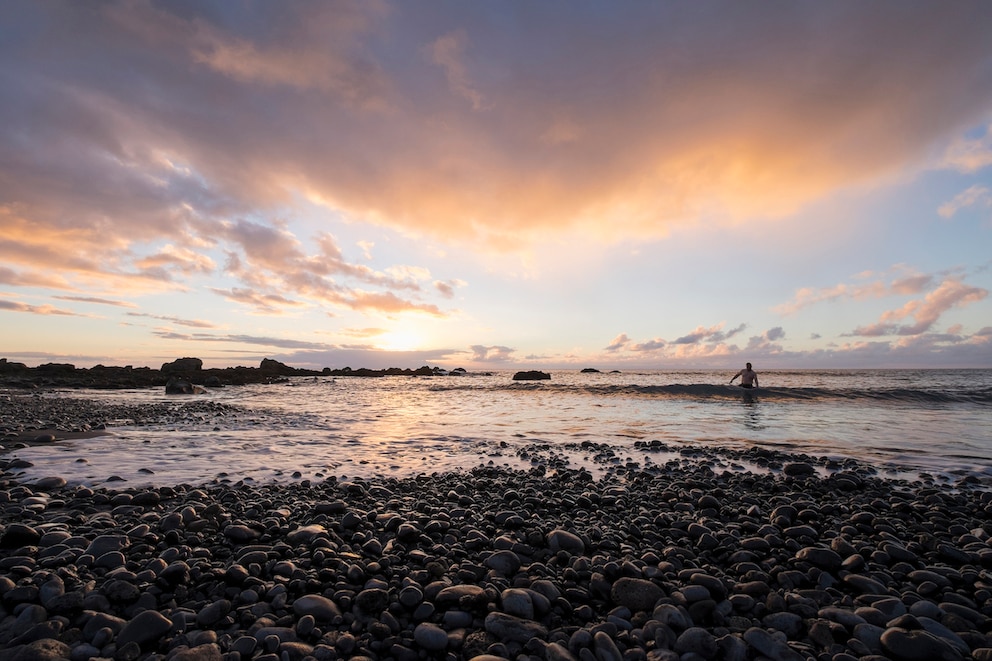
x=400, y=339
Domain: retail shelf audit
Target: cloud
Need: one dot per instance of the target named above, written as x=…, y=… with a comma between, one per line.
x=969, y=154
x=618, y=343
x=491, y=354
x=447, y=287
x=278, y=342
x=657, y=116
x=774, y=334
x=17, y=306
x=924, y=312
x=448, y=52
x=97, y=301
x=913, y=283
x=976, y=195
x=192, y=323
x=712, y=334
x=364, y=332
x=178, y=258
x=261, y=302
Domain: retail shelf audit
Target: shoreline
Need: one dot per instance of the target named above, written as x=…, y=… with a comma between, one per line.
x=668, y=562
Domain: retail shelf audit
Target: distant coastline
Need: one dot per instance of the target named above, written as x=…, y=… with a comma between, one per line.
x=65, y=375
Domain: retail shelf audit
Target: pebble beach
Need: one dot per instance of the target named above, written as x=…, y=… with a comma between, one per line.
x=685, y=559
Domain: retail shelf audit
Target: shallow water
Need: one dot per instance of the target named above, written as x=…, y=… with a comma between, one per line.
x=901, y=421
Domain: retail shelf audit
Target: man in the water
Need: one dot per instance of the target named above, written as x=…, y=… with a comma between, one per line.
x=749, y=378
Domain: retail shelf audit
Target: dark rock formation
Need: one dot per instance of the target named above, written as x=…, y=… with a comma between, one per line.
x=590, y=370
x=532, y=375
x=275, y=367
x=183, y=365
x=178, y=386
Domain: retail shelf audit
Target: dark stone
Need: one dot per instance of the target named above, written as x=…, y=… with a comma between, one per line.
x=532, y=375
x=183, y=365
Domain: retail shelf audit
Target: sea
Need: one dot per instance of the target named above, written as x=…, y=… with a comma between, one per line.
x=903, y=423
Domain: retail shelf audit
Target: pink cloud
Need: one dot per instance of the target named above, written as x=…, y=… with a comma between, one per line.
x=903, y=285
x=17, y=306
x=924, y=312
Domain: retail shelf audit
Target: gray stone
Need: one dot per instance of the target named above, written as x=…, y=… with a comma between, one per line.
x=697, y=640
x=430, y=637
x=514, y=629
x=558, y=652
x=605, y=648
x=517, y=602
x=213, y=613
x=463, y=595
x=637, y=594
x=864, y=584
x=770, y=646
x=144, y=628
x=562, y=540
x=372, y=600
x=788, y=623
x=820, y=557
x=917, y=645
x=208, y=652
x=321, y=608
x=503, y=562
x=46, y=649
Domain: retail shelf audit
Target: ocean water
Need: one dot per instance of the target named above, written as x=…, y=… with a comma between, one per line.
x=903, y=422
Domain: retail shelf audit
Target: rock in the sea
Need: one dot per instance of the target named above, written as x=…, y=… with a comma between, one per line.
x=183, y=365
x=275, y=367
x=531, y=375
x=179, y=386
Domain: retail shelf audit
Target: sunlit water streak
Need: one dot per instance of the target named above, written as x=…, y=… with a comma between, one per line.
x=902, y=421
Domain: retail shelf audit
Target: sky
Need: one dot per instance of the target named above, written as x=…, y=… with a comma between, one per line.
x=641, y=185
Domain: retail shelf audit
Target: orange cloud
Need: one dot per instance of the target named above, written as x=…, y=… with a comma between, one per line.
x=441, y=121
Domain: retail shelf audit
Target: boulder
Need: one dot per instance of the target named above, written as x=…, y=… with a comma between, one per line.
x=532, y=375
x=275, y=367
x=183, y=365
x=177, y=386
x=590, y=370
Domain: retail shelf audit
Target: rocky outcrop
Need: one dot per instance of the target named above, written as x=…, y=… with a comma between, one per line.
x=6, y=366
x=531, y=375
x=183, y=365
x=275, y=367
x=56, y=367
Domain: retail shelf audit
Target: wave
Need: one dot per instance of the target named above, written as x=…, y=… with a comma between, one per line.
x=709, y=392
